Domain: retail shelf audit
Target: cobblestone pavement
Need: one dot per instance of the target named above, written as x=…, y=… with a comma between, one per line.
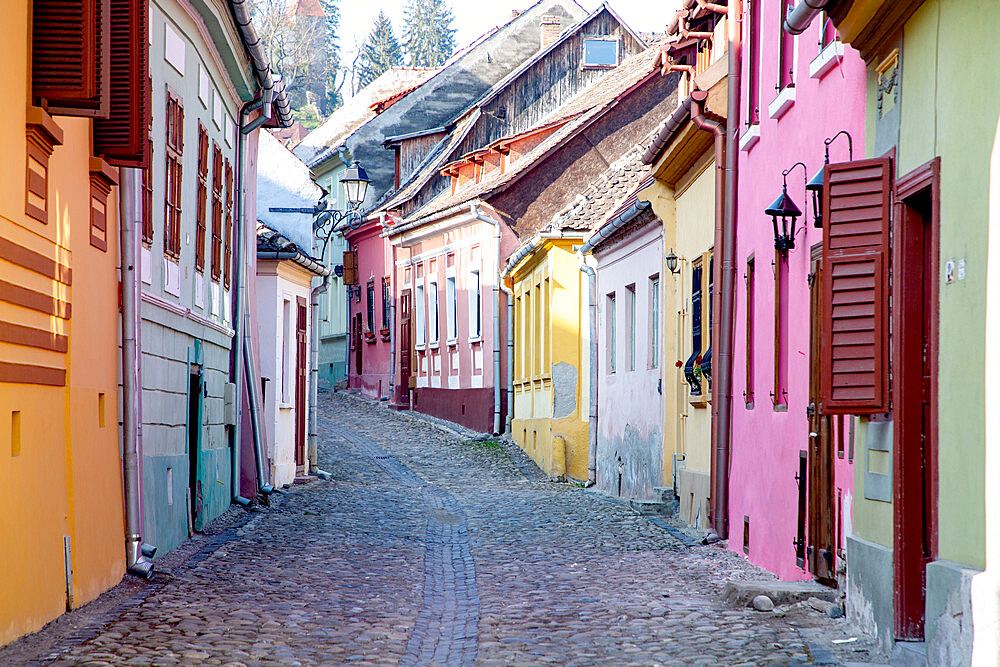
x=426, y=548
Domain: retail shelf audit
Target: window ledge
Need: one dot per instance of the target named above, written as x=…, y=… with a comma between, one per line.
x=826, y=59
x=286, y=406
x=782, y=102
x=750, y=137
x=698, y=400
x=477, y=339
x=433, y=346
x=420, y=347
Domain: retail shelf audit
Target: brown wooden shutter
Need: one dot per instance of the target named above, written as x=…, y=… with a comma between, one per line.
x=855, y=339
x=70, y=56
x=121, y=138
x=228, y=233
x=351, y=267
x=216, y=212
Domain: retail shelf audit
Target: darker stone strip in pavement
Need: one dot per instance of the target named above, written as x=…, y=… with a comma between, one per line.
x=447, y=628
x=660, y=523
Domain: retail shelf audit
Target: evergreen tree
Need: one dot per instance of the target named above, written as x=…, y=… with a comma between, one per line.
x=430, y=39
x=332, y=48
x=380, y=51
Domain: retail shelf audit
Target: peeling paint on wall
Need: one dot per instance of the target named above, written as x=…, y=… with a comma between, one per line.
x=564, y=378
x=630, y=465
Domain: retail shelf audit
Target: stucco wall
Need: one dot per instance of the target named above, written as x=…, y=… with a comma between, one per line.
x=373, y=254
x=767, y=439
x=630, y=410
x=62, y=478
x=278, y=283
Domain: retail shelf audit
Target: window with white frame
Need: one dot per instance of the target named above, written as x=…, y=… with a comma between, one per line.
x=421, y=309
x=452, y=306
x=630, y=292
x=433, y=308
x=654, y=321
x=611, y=337
x=286, y=336
x=475, y=305
x=600, y=52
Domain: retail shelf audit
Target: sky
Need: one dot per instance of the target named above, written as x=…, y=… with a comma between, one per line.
x=473, y=19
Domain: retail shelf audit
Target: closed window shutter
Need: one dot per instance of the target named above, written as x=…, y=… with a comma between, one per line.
x=350, y=267
x=199, y=237
x=216, y=212
x=228, y=233
x=70, y=56
x=855, y=339
x=121, y=137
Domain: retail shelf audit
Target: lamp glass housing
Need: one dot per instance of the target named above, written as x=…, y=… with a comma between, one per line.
x=784, y=214
x=672, y=262
x=355, y=182
x=815, y=186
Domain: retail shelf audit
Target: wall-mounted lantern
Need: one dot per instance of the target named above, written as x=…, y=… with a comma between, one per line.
x=672, y=262
x=815, y=185
x=784, y=213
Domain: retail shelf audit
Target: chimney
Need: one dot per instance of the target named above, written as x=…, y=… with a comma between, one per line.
x=551, y=29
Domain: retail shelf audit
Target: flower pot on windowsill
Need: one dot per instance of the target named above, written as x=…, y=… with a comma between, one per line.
x=369, y=337
x=384, y=333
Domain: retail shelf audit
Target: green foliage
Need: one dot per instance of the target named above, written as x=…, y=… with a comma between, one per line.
x=332, y=47
x=430, y=39
x=380, y=51
x=308, y=115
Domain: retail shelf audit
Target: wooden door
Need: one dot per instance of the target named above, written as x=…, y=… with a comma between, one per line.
x=301, y=384
x=405, y=347
x=196, y=405
x=358, y=340
x=820, y=515
x=914, y=394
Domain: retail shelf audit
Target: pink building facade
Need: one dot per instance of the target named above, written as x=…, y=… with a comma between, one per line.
x=369, y=324
x=791, y=492
x=447, y=329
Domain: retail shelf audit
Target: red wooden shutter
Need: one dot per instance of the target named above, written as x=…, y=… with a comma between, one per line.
x=216, y=212
x=202, y=203
x=228, y=233
x=121, y=138
x=70, y=56
x=855, y=338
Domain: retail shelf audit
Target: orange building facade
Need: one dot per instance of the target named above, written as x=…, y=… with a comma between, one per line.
x=61, y=530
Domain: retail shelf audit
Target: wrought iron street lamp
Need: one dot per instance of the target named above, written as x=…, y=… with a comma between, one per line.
x=784, y=208
x=815, y=185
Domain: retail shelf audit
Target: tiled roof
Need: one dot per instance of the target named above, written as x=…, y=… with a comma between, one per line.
x=587, y=107
x=608, y=195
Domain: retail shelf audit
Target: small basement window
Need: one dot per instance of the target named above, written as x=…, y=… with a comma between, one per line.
x=600, y=52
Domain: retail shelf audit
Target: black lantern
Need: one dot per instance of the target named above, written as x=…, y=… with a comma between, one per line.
x=355, y=182
x=815, y=185
x=672, y=262
x=784, y=213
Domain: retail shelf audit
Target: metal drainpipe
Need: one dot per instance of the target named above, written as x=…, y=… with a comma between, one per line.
x=725, y=238
x=136, y=562
x=314, y=374
x=392, y=316
x=236, y=365
x=474, y=209
x=594, y=375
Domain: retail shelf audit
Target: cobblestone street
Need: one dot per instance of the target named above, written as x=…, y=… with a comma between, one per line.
x=426, y=548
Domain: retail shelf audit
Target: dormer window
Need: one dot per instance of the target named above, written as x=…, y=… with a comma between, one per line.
x=600, y=52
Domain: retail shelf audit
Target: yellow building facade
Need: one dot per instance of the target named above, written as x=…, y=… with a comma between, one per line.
x=551, y=366
x=683, y=196
x=62, y=523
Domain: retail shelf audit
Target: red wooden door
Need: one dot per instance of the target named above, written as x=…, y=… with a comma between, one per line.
x=820, y=515
x=914, y=395
x=405, y=347
x=301, y=384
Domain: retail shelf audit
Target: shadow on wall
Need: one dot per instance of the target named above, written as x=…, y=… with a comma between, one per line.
x=630, y=465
